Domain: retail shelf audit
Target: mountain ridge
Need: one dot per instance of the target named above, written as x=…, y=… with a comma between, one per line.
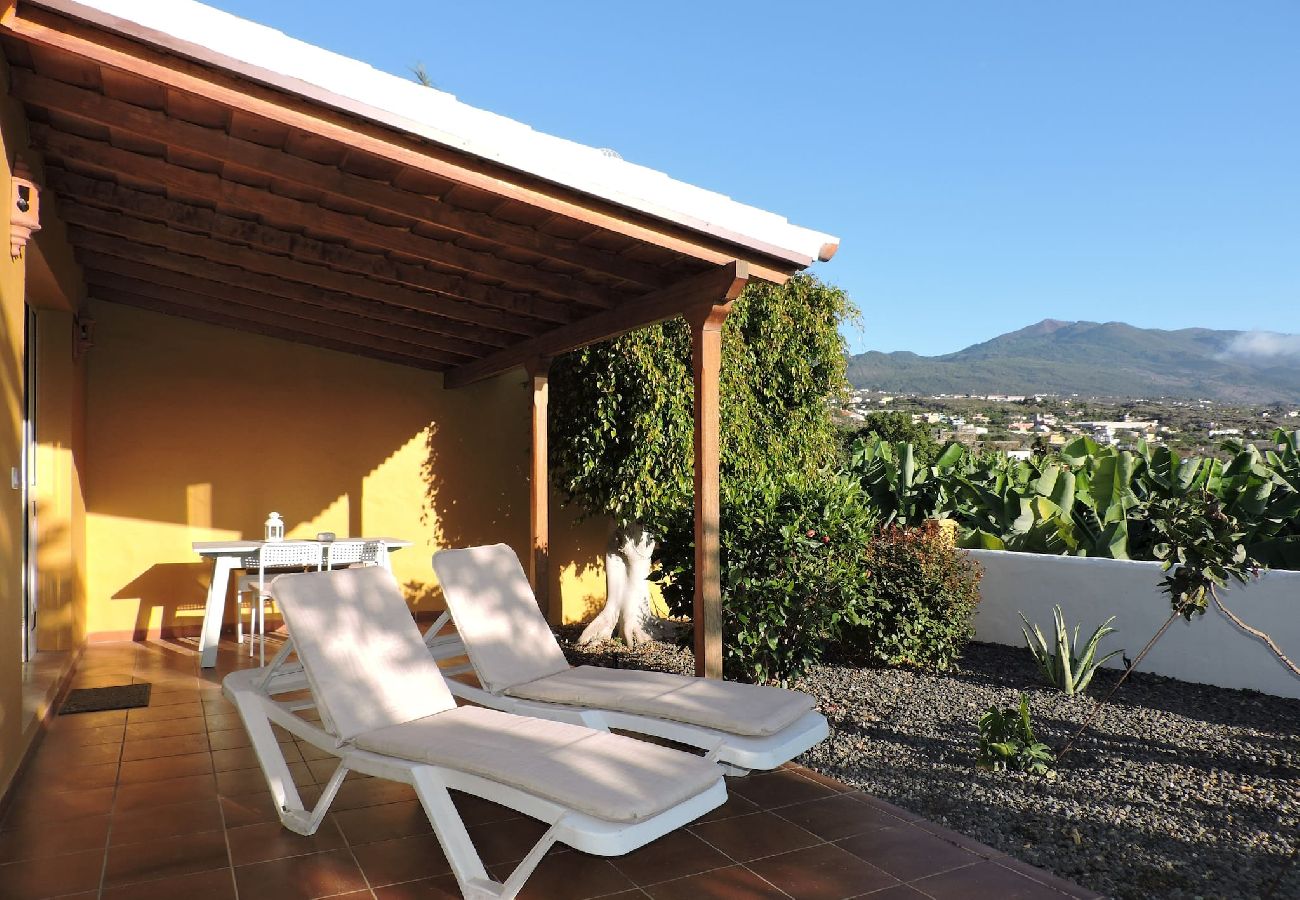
x=1112, y=359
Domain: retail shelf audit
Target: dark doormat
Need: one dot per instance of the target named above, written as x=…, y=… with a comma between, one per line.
x=125, y=696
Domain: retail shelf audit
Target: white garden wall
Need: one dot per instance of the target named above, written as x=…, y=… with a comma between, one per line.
x=1209, y=649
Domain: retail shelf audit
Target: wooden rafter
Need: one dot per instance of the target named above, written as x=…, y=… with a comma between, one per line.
x=260, y=201
x=276, y=331
x=148, y=281
x=156, y=125
x=308, y=320
x=150, y=234
x=716, y=286
x=702, y=241
x=205, y=277
x=108, y=195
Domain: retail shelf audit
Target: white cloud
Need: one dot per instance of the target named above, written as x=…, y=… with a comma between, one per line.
x=1264, y=346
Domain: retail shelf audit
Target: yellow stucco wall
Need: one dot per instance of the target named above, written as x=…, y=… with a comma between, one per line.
x=197, y=432
x=12, y=726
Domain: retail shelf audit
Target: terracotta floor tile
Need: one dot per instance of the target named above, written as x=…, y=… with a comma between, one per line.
x=38, y=878
x=503, y=842
x=155, y=713
x=477, y=811
x=443, y=887
x=360, y=792
x=736, y=805
x=216, y=884
x=79, y=721
x=675, y=855
x=165, y=792
x=961, y=840
x=732, y=883
x=229, y=739
x=151, y=860
x=172, y=698
x=50, y=756
x=757, y=835
x=568, y=876
x=224, y=721
x=178, y=745
x=54, y=779
x=271, y=840
x=780, y=788
x=382, y=823
x=823, y=872
x=311, y=751
x=907, y=852
x=837, y=816
x=30, y=809
x=300, y=877
x=163, y=767
x=1069, y=888
x=89, y=833
x=898, y=892
x=836, y=786
x=321, y=769
x=253, y=781
x=84, y=737
x=246, y=758
x=401, y=859
x=986, y=879
x=159, y=823
x=147, y=731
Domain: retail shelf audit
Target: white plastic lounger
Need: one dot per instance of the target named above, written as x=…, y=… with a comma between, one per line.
x=521, y=669
x=385, y=710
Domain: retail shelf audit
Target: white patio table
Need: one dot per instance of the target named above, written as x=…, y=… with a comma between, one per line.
x=226, y=557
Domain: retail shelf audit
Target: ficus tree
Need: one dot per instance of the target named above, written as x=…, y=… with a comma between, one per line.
x=621, y=425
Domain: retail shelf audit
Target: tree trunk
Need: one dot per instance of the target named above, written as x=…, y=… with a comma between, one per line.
x=627, y=591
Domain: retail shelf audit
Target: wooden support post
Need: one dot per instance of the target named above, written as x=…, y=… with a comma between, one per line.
x=539, y=487
x=706, y=356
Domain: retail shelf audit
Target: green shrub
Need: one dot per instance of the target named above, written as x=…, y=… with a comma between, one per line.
x=1067, y=667
x=793, y=565
x=1007, y=742
x=920, y=598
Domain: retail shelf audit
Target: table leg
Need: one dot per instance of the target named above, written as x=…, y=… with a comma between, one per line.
x=214, y=611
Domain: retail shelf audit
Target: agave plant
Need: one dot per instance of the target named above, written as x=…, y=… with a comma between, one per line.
x=1067, y=667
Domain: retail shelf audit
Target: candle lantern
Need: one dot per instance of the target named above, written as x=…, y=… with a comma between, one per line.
x=274, y=527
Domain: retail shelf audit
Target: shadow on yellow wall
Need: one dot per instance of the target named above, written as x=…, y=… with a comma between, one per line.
x=198, y=432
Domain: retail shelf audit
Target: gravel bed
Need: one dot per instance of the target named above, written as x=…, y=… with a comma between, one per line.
x=1178, y=790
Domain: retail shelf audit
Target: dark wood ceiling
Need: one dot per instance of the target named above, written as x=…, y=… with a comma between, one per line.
x=186, y=205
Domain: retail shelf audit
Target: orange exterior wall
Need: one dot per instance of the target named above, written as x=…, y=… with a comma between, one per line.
x=198, y=432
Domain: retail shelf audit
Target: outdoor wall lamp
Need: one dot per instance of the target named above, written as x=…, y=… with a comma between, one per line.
x=83, y=335
x=24, y=209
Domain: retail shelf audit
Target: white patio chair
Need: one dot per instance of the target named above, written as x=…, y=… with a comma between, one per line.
x=385, y=710
x=521, y=669
x=271, y=559
x=354, y=552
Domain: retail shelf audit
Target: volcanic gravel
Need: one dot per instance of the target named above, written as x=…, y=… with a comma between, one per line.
x=1177, y=790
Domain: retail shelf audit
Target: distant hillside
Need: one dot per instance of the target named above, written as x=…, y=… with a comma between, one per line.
x=1100, y=359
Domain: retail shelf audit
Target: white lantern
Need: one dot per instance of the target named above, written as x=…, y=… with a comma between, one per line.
x=274, y=527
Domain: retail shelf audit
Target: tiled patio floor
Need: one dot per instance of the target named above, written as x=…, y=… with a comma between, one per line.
x=168, y=802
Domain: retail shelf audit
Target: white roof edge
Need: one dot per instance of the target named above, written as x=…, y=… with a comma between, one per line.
x=254, y=51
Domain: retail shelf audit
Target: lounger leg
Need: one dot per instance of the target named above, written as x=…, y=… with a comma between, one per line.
x=278, y=777
x=466, y=864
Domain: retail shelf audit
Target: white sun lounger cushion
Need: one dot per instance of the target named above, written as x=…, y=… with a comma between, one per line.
x=745, y=709
x=496, y=614
x=608, y=776
x=366, y=663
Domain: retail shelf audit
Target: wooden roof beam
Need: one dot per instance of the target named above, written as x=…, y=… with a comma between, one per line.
x=716, y=287
x=235, y=323
x=101, y=193
x=156, y=125
x=87, y=219
x=136, y=277
x=48, y=29
x=262, y=202
x=107, y=286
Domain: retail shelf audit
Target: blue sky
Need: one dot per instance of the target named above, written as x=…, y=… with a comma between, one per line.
x=986, y=164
